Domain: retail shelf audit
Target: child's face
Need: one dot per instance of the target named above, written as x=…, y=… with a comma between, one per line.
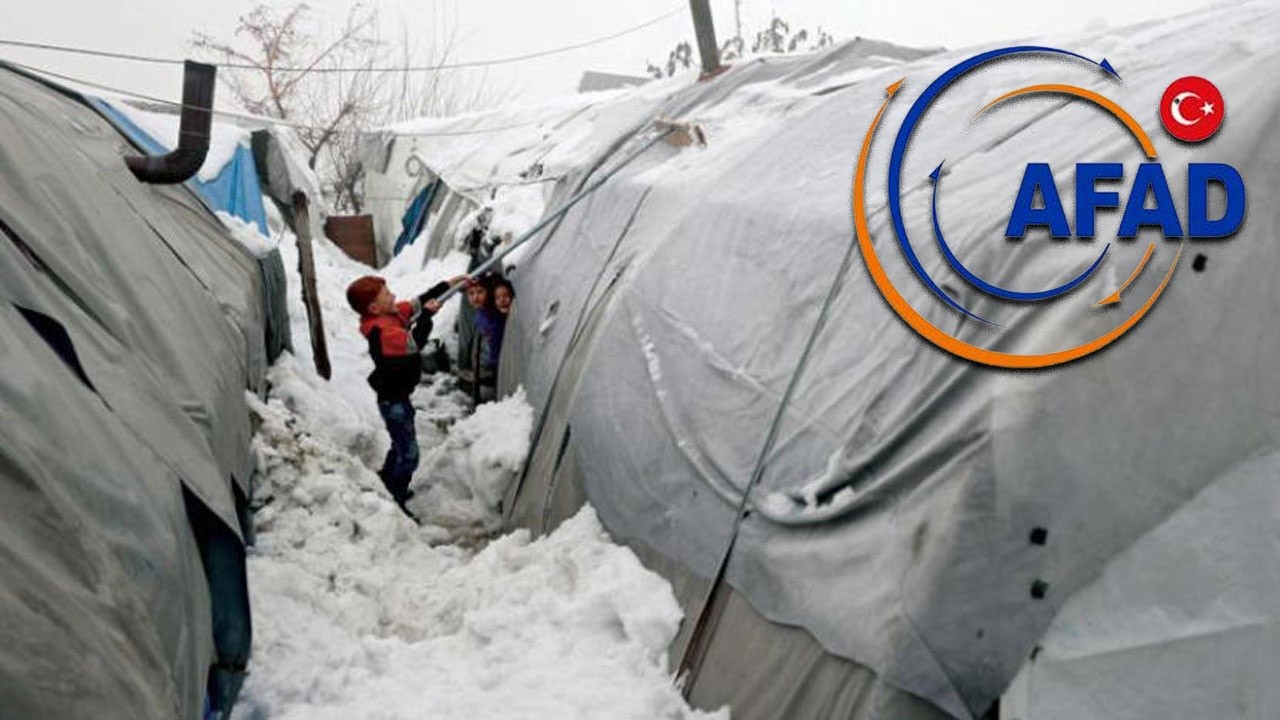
x=502, y=299
x=477, y=295
x=384, y=304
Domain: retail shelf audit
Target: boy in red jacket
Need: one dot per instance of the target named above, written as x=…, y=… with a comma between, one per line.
x=396, y=332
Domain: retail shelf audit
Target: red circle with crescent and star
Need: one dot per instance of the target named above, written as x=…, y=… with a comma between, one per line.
x=1192, y=109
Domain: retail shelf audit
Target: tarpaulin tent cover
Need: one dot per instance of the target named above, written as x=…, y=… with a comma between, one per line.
x=234, y=189
x=131, y=325
x=1185, y=623
x=660, y=322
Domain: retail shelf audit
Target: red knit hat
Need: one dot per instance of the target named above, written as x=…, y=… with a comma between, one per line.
x=363, y=291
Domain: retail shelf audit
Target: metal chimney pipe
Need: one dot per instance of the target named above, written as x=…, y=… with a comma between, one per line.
x=198, y=81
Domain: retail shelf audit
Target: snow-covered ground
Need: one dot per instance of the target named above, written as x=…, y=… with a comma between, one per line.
x=360, y=613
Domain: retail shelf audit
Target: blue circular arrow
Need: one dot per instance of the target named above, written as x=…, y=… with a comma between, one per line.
x=908, y=127
x=987, y=287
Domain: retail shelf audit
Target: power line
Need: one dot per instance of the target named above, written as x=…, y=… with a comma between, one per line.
x=407, y=68
x=275, y=121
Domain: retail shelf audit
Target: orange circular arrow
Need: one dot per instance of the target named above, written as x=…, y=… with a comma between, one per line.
x=1101, y=101
x=932, y=333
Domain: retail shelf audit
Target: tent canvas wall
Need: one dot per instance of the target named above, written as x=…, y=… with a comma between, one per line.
x=133, y=324
x=886, y=569
x=230, y=181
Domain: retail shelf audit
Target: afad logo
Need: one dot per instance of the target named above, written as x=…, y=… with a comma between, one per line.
x=1192, y=109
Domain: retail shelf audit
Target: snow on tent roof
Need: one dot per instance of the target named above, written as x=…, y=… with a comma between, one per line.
x=161, y=130
x=661, y=320
x=521, y=148
x=228, y=179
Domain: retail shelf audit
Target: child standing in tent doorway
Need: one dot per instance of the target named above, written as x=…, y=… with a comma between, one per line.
x=396, y=331
x=488, y=344
x=503, y=295
x=491, y=318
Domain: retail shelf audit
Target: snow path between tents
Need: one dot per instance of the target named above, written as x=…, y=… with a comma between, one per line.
x=360, y=613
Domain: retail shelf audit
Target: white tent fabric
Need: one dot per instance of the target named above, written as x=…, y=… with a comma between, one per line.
x=523, y=150
x=1183, y=624
x=659, y=323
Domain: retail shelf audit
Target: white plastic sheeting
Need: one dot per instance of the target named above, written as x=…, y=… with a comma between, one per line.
x=1183, y=624
x=893, y=518
x=509, y=158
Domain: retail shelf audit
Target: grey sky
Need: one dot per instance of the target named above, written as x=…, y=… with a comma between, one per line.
x=492, y=28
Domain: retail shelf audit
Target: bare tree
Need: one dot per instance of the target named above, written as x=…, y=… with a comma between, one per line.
x=680, y=58
x=443, y=91
x=775, y=38
x=334, y=84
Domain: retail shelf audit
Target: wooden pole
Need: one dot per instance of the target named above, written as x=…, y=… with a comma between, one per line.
x=307, y=269
x=706, y=33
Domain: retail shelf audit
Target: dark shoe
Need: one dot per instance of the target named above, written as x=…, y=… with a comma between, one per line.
x=402, y=502
x=404, y=507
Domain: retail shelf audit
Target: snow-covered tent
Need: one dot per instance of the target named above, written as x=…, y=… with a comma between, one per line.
x=431, y=177
x=250, y=161
x=923, y=529
x=227, y=181
x=434, y=180
x=133, y=323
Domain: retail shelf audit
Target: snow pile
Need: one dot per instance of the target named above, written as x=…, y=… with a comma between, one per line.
x=462, y=481
x=358, y=615
x=327, y=415
x=246, y=233
x=224, y=138
x=516, y=209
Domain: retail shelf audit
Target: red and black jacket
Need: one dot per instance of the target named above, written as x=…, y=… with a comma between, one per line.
x=395, y=344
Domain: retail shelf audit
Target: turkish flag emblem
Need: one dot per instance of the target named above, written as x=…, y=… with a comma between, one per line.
x=1192, y=109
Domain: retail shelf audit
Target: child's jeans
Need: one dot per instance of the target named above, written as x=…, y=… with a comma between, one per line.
x=402, y=458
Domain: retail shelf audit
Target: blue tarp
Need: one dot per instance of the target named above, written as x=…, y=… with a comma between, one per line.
x=235, y=190
x=415, y=218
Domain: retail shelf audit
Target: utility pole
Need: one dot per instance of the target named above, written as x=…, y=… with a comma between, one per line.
x=706, y=33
